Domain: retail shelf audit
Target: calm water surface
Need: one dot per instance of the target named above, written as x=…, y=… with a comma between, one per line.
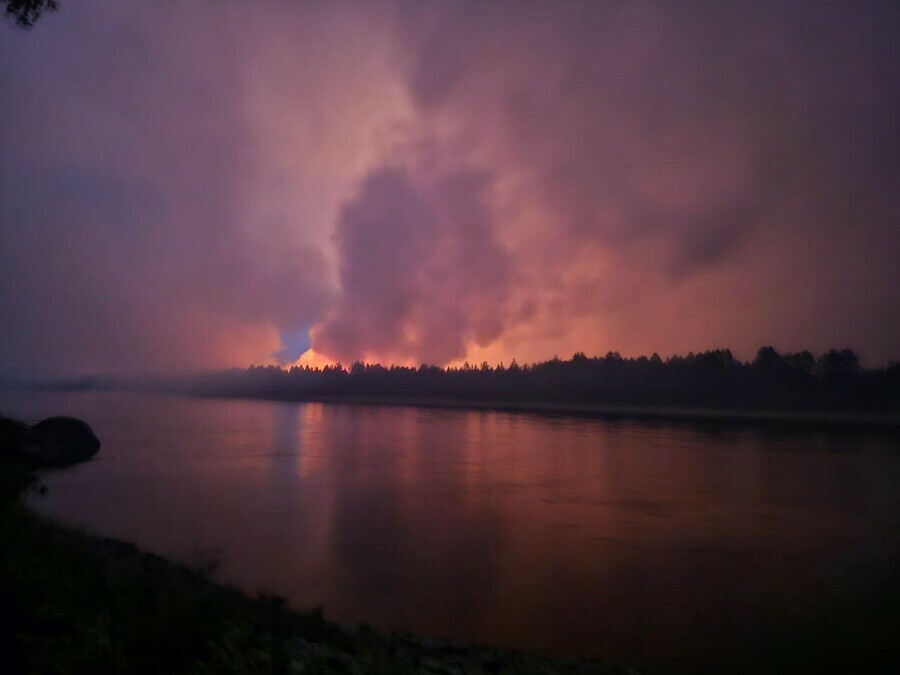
x=649, y=544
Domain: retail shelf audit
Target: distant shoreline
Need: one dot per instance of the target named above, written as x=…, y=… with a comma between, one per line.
x=610, y=411
x=711, y=387
x=881, y=421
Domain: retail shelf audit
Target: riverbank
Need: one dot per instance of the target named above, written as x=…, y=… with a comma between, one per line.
x=76, y=603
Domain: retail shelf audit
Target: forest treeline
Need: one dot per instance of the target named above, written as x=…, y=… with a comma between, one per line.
x=833, y=381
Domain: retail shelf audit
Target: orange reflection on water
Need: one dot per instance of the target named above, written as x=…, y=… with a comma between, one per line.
x=645, y=544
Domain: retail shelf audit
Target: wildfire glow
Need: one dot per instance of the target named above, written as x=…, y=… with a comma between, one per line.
x=312, y=359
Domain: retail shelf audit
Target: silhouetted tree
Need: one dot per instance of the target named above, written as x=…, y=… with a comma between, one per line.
x=712, y=378
x=767, y=359
x=26, y=12
x=800, y=363
x=836, y=364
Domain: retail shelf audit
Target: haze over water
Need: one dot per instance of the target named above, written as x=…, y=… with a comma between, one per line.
x=647, y=544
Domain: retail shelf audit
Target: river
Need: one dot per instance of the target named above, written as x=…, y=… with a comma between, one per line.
x=654, y=544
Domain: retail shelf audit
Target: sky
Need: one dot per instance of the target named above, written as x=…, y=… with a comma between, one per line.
x=200, y=185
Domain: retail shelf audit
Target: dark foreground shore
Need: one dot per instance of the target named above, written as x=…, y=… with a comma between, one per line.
x=71, y=603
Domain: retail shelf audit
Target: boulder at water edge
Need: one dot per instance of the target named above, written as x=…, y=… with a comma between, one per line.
x=57, y=441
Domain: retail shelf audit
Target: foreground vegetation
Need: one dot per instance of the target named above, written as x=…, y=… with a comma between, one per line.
x=70, y=603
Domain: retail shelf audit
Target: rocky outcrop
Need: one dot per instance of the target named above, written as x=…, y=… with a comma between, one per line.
x=11, y=434
x=55, y=441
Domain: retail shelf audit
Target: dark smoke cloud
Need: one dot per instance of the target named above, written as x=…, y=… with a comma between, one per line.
x=422, y=274
x=126, y=243
x=501, y=180
x=690, y=146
